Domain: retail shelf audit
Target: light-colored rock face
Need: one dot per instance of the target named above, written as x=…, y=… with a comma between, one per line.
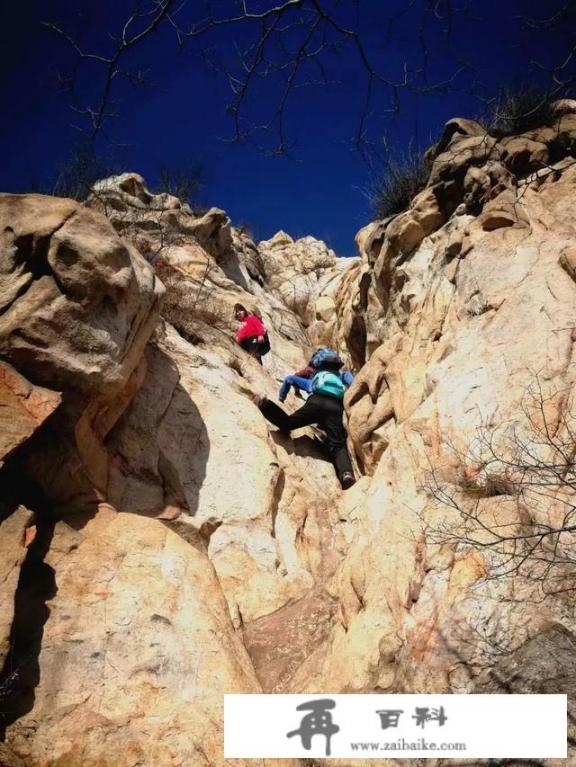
x=477, y=336
x=217, y=555
x=136, y=654
x=79, y=307
x=302, y=272
x=278, y=527
x=472, y=173
x=252, y=517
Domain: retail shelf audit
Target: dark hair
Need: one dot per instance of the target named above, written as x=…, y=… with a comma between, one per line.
x=240, y=308
x=333, y=366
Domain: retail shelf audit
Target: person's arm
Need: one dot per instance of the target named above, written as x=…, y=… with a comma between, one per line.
x=347, y=378
x=306, y=372
x=243, y=333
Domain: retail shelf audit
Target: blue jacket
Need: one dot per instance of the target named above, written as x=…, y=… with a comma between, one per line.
x=305, y=384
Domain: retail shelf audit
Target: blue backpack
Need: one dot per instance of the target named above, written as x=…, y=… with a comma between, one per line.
x=326, y=357
x=329, y=384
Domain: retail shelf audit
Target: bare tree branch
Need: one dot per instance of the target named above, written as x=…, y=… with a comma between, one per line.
x=528, y=469
x=287, y=41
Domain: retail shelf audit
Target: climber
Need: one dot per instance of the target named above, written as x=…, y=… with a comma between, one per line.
x=252, y=335
x=325, y=408
x=302, y=379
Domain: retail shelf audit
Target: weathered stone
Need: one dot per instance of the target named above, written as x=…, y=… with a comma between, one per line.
x=522, y=155
x=567, y=261
x=454, y=130
x=543, y=664
x=90, y=303
x=325, y=308
x=136, y=654
x=12, y=553
x=405, y=233
x=485, y=183
x=427, y=211
x=134, y=210
x=9, y=759
x=280, y=642
x=23, y=407
x=443, y=373
x=454, y=161
x=563, y=106
x=505, y=210
x=293, y=268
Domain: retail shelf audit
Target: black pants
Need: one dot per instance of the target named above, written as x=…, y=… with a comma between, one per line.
x=327, y=413
x=252, y=346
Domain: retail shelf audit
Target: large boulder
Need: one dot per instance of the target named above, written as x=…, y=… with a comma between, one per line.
x=137, y=652
x=79, y=306
x=157, y=220
x=78, y=303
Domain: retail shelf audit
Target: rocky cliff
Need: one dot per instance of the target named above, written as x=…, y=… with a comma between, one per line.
x=162, y=545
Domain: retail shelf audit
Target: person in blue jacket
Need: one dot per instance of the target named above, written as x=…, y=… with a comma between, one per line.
x=324, y=407
x=301, y=380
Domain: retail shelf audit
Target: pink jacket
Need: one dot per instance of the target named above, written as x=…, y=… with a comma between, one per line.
x=251, y=327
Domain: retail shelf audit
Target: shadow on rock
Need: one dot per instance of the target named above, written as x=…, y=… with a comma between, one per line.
x=36, y=586
x=304, y=446
x=159, y=448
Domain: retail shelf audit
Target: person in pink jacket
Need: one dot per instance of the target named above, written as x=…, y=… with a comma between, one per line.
x=252, y=333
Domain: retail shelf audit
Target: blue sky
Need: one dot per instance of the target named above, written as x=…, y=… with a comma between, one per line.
x=181, y=120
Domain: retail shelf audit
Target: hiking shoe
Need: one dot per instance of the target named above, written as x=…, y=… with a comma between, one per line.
x=347, y=480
